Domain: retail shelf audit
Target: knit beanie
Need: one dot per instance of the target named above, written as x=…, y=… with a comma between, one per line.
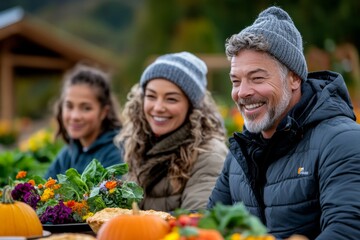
x=284, y=39
x=183, y=69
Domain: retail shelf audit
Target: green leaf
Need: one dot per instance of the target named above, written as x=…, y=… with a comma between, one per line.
x=93, y=173
x=95, y=191
x=189, y=231
x=208, y=223
x=231, y=219
x=96, y=203
x=117, y=169
x=73, y=187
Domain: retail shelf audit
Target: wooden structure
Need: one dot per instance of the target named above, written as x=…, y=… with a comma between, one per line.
x=28, y=43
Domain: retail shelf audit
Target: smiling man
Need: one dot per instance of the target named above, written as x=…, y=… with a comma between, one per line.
x=296, y=164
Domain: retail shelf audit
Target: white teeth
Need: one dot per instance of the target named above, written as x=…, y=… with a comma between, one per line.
x=253, y=106
x=160, y=119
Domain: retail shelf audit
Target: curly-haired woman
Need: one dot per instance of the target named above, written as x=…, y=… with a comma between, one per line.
x=173, y=134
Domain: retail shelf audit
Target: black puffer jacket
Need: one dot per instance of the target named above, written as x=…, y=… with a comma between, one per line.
x=306, y=178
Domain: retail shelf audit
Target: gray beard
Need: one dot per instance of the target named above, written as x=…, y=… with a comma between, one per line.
x=270, y=117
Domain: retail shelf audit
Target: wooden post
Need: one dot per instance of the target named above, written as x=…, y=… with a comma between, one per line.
x=6, y=85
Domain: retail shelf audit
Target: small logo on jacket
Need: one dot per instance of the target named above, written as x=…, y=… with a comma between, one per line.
x=301, y=171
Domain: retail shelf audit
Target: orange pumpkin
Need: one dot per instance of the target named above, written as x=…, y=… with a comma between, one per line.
x=18, y=218
x=134, y=227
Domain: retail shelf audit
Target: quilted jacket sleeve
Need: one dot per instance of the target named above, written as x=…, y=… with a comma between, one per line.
x=339, y=183
x=204, y=174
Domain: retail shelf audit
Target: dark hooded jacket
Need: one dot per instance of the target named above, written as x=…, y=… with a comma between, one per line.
x=306, y=178
x=74, y=156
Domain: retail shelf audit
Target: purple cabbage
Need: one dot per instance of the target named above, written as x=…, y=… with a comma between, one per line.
x=57, y=214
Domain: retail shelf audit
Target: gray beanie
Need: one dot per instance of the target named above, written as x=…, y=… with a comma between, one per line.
x=285, y=42
x=183, y=69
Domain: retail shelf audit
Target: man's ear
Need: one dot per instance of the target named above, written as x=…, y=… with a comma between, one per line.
x=295, y=81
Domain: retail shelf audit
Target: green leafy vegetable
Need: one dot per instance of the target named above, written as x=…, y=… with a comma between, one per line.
x=91, y=183
x=232, y=219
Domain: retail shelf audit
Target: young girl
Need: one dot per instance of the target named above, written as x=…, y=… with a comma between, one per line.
x=88, y=121
x=173, y=135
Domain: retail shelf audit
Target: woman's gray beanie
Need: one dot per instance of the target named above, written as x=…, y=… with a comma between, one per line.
x=284, y=39
x=183, y=69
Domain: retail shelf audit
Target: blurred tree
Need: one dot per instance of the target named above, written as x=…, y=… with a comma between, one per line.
x=115, y=14
x=138, y=29
x=194, y=31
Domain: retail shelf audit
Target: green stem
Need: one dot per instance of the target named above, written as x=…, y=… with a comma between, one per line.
x=6, y=197
x=135, y=208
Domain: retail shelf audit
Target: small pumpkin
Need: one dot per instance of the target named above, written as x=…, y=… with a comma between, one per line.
x=18, y=218
x=134, y=227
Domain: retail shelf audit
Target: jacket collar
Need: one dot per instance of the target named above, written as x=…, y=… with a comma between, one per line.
x=102, y=139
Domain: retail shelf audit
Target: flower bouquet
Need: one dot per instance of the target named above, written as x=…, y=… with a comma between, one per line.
x=73, y=197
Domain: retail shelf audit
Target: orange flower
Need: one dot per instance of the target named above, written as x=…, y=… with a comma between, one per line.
x=70, y=203
x=40, y=186
x=357, y=114
x=56, y=186
x=50, y=183
x=110, y=184
x=32, y=182
x=21, y=174
x=237, y=117
x=79, y=207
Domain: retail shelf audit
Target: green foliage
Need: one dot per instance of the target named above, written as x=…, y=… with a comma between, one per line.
x=232, y=219
x=196, y=35
x=91, y=182
x=8, y=139
x=115, y=14
x=79, y=184
x=41, y=89
x=14, y=161
x=34, y=156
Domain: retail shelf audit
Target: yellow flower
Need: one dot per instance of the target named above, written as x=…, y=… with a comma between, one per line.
x=224, y=111
x=172, y=236
x=89, y=214
x=235, y=236
x=48, y=194
x=37, y=141
x=252, y=238
x=112, y=190
x=5, y=127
